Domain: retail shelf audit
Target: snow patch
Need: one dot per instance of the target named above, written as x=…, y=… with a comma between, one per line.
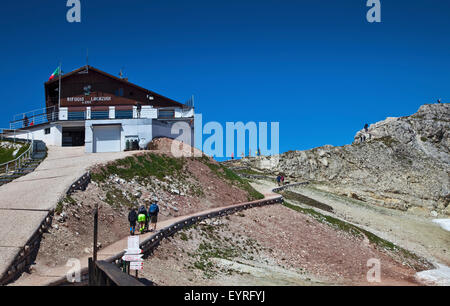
x=444, y=223
x=436, y=277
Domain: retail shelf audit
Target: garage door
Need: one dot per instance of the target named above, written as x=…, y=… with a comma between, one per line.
x=107, y=138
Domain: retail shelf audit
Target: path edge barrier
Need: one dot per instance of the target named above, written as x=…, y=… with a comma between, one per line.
x=27, y=254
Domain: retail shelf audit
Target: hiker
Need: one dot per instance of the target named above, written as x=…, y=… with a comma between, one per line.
x=366, y=128
x=153, y=214
x=142, y=218
x=25, y=121
x=139, y=108
x=282, y=180
x=278, y=180
x=132, y=218
x=232, y=156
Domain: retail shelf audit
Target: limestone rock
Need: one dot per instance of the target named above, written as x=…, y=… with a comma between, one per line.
x=403, y=162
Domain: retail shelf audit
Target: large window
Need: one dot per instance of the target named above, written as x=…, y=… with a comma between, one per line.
x=166, y=114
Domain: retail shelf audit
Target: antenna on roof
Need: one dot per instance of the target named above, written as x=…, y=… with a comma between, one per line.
x=121, y=72
x=87, y=59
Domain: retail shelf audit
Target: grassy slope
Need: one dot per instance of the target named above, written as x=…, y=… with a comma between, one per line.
x=6, y=155
x=143, y=167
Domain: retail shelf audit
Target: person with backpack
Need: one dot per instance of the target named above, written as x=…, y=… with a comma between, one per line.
x=153, y=214
x=278, y=180
x=138, y=109
x=132, y=218
x=142, y=218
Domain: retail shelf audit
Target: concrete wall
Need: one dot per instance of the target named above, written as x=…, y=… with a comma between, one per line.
x=138, y=128
x=38, y=133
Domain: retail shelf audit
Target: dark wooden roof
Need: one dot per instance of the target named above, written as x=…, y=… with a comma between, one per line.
x=114, y=78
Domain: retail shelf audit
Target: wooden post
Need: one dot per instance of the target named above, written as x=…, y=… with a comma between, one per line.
x=91, y=272
x=95, y=233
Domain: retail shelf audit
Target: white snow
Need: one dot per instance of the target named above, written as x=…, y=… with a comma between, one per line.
x=444, y=223
x=436, y=277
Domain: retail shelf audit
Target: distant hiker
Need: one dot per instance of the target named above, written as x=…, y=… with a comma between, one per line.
x=439, y=101
x=25, y=121
x=153, y=214
x=259, y=151
x=232, y=156
x=366, y=128
x=142, y=218
x=282, y=180
x=132, y=218
x=138, y=108
x=278, y=180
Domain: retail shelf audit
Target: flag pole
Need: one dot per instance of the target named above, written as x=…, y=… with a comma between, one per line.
x=59, y=90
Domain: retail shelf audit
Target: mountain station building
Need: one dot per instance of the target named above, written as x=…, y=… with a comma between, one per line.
x=104, y=113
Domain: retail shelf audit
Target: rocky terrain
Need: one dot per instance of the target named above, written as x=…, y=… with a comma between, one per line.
x=401, y=163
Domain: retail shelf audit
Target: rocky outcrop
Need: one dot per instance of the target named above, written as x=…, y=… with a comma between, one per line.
x=403, y=163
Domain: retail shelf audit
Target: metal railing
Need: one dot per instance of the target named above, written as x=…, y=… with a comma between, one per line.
x=36, y=117
x=98, y=115
x=16, y=164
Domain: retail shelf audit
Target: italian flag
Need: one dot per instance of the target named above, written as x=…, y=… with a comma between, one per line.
x=56, y=73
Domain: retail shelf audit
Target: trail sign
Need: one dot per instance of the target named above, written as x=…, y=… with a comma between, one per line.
x=131, y=258
x=138, y=266
x=133, y=246
x=134, y=254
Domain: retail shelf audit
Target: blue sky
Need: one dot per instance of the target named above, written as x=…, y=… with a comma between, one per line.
x=317, y=67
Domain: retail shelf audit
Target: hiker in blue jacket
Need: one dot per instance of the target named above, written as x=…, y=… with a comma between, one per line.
x=153, y=215
x=132, y=218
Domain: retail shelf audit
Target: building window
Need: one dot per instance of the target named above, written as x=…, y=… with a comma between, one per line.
x=166, y=114
x=47, y=131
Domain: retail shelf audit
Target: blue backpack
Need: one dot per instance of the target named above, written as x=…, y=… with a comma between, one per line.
x=153, y=208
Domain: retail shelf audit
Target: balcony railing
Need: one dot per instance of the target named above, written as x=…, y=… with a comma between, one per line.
x=53, y=114
x=36, y=117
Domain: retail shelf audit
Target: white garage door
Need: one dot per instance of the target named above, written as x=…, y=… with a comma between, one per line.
x=107, y=138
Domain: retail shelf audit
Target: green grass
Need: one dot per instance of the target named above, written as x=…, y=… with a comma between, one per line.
x=234, y=179
x=141, y=167
x=116, y=199
x=68, y=200
x=6, y=155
